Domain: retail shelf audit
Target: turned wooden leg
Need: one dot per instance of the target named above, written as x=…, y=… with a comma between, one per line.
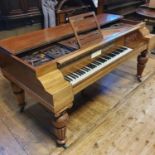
x=20, y=96
x=142, y=60
x=60, y=125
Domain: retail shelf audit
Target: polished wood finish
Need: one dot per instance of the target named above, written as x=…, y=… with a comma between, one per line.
x=46, y=82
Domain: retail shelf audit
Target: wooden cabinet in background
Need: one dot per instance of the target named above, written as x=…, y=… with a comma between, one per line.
x=14, y=13
x=122, y=7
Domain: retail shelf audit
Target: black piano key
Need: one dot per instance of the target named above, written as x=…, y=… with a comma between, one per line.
x=96, y=63
x=114, y=53
x=89, y=69
x=86, y=69
x=83, y=71
x=117, y=52
x=72, y=75
x=79, y=73
x=123, y=48
x=102, y=60
x=91, y=66
x=120, y=50
x=111, y=55
x=106, y=57
x=76, y=75
x=68, y=79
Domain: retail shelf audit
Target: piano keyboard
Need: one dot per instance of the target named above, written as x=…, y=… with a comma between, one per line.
x=96, y=65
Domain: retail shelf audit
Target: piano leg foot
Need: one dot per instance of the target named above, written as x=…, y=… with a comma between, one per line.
x=20, y=96
x=60, y=126
x=141, y=63
x=22, y=107
x=65, y=146
x=139, y=79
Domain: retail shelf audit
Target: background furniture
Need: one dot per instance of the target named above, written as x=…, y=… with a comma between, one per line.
x=68, y=8
x=122, y=7
x=148, y=14
x=14, y=13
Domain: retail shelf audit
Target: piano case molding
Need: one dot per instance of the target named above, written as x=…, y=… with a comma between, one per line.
x=49, y=80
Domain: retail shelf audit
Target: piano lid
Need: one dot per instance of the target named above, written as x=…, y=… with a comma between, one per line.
x=29, y=41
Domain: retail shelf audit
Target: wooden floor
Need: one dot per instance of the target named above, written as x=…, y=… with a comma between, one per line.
x=115, y=116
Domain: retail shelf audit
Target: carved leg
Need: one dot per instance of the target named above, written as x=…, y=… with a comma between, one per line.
x=142, y=60
x=20, y=95
x=60, y=125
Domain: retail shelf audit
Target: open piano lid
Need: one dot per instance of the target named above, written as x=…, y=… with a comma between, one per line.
x=19, y=44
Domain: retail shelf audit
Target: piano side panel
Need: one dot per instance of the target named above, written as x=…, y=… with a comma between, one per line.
x=23, y=76
x=46, y=90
